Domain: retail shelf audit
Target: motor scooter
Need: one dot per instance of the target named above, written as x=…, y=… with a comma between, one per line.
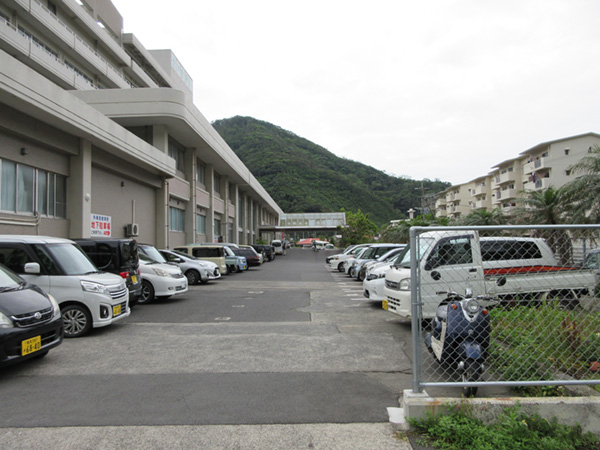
x=460, y=336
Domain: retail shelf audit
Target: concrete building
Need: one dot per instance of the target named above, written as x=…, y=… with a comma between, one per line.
x=100, y=136
x=547, y=164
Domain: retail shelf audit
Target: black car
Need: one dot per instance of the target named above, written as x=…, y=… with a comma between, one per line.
x=267, y=250
x=30, y=320
x=118, y=256
x=252, y=257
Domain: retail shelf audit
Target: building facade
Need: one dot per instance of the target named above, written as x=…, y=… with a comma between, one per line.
x=547, y=164
x=99, y=136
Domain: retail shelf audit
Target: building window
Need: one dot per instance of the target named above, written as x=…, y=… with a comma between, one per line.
x=25, y=189
x=177, y=152
x=217, y=227
x=217, y=183
x=567, y=151
x=176, y=219
x=200, y=224
x=200, y=172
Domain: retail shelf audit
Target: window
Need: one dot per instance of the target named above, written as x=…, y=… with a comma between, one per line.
x=567, y=151
x=217, y=227
x=24, y=189
x=200, y=224
x=177, y=152
x=200, y=172
x=217, y=183
x=451, y=251
x=176, y=219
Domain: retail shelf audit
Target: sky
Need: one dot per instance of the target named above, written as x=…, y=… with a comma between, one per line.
x=432, y=89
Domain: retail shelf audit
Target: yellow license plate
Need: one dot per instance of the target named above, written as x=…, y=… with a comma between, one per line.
x=134, y=278
x=116, y=310
x=384, y=304
x=31, y=345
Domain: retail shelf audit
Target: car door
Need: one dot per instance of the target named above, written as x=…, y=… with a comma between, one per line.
x=15, y=256
x=452, y=265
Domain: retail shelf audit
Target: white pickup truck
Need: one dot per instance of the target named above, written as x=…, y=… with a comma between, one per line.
x=508, y=268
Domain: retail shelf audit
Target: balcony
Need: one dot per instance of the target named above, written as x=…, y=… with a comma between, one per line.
x=480, y=190
x=536, y=165
x=542, y=183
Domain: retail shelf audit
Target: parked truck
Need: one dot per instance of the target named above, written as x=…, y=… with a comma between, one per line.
x=511, y=269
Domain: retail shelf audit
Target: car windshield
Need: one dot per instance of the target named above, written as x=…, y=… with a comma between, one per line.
x=369, y=253
x=228, y=251
x=423, y=245
x=152, y=253
x=182, y=255
x=9, y=280
x=69, y=257
x=147, y=259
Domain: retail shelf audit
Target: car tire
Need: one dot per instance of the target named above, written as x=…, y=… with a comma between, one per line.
x=192, y=276
x=147, y=293
x=234, y=269
x=77, y=320
x=340, y=267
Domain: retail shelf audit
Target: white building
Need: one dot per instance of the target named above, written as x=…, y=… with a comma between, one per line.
x=547, y=164
x=99, y=135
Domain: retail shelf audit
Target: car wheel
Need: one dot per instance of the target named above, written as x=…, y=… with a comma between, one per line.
x=192, y=276
x=234, y=269
x=77, y=320
x=147, y=293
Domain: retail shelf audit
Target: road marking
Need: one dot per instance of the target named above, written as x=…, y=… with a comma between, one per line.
x=238, y=306
x=222, y=319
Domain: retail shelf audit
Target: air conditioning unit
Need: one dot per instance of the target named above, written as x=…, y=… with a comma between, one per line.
x=133, y=229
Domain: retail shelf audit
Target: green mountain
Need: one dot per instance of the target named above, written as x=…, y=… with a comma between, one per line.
x=303, y=177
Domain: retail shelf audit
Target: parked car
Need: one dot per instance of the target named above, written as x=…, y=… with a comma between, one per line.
x=214, y=253
x=249, y=253
x=267, y=250
x=118, y=256
x=196, y=270
x=30, y=320
x=360, y=269
x=278, y=246
x=259, y=254
x=235, y=263
x=159, y=278
x=336, y=262
x=87, y=297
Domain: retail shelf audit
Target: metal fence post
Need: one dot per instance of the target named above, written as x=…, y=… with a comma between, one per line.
x=415, y=313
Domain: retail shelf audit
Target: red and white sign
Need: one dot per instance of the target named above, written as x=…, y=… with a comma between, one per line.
x=100, y=225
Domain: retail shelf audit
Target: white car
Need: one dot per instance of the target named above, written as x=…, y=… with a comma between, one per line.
x=375, y=279
x=336, y=262
x=159, y=278
x=196, y=270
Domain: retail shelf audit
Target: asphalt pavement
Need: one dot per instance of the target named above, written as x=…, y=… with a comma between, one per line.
x=286, y=355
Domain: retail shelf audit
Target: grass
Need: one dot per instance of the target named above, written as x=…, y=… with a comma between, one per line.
x=513, y=430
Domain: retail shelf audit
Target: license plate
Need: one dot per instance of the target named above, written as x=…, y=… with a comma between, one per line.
x=134, y=279
x=116, y=310
x=31, y=345
x=384, y=304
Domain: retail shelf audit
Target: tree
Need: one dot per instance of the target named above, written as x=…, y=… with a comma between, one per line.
x=400, y=232
x=582, y=195
x=547, y=207
x=484, y=217
x=358, y=228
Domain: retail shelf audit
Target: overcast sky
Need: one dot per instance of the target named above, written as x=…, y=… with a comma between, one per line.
x=438, y=89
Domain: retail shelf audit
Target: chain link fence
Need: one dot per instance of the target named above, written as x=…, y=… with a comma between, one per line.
x=512, y=306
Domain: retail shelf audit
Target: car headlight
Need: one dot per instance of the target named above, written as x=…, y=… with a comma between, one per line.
x=96, y=288
x=5, y=322
x=381, y=275
x=55, y=307
x=161, y=272
x=404, y=285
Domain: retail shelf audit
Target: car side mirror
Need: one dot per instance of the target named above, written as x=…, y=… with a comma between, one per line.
x=32, y=268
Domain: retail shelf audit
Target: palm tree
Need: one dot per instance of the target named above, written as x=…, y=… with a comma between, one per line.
x=583, y=193
x=547, y=207
x=480, y=217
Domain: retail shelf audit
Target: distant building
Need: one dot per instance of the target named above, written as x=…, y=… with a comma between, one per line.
x=99, y=136
x=546, y=164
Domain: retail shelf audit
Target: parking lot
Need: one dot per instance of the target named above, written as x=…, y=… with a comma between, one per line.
x=286, y=342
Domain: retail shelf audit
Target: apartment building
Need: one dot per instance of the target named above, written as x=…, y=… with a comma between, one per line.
x=100, y=137
x=544, y=165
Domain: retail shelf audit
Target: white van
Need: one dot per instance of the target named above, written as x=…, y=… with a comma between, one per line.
x=87, y=297
x=278, y=246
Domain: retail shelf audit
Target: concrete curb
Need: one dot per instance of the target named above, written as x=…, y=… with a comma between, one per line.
x=584, y=411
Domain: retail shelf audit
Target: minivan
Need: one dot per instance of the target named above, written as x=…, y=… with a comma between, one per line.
x=118, y=256
x=214, y=253
x=87, y=297
x=30, y=321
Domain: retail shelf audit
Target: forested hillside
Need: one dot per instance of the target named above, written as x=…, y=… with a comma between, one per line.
x=303, y=177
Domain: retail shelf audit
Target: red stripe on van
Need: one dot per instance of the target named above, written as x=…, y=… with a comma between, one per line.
x=526, y=269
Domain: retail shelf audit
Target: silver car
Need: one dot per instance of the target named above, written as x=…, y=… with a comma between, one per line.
x=196, y=270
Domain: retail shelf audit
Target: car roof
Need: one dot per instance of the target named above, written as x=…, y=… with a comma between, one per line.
x=27, y=239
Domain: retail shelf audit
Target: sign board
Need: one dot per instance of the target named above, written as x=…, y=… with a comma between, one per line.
x=100, y=226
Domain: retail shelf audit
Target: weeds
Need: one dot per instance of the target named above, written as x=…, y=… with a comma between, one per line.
x=513, y=430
